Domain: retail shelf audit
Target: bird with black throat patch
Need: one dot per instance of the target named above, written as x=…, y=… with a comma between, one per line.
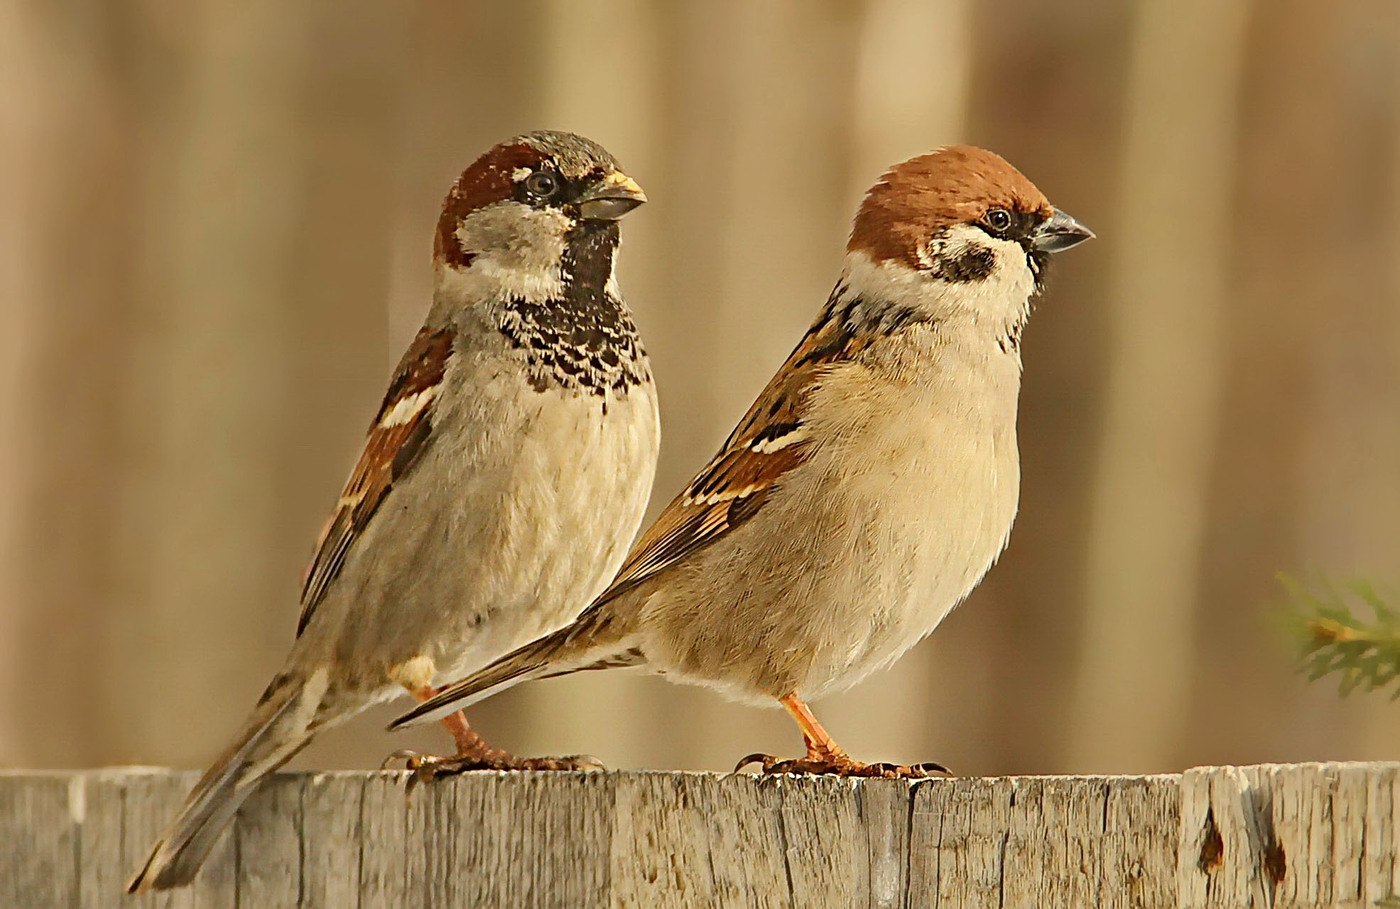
x=867, y=490
x=501, y=482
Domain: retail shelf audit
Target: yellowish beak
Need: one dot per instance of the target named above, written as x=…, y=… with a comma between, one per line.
x=610, y=198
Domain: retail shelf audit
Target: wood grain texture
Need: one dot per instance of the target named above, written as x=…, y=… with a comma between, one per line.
x=41, y=815
x=1314, y=835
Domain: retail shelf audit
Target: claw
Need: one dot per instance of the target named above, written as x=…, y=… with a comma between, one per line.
x=932, y=768
x=428, y=767
x=841, y=765
x=410, y=758
x=758, y=757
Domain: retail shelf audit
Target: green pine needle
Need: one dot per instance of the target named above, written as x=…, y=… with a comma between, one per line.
x=1351, y=632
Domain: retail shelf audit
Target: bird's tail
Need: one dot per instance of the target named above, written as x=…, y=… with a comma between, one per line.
x=589, y=643
x=277, y=730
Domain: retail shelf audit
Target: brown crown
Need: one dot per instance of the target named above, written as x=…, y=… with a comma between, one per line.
x=916, y=199
x=488, y=180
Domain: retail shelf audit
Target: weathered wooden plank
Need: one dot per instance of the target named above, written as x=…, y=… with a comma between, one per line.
x=661, y=845
x=432, y=818
x=1349, y=828
x=958, y=835
x=148, y=800
x=1053, y=851
x=102, y=871
x=1295, y=822
x=711, y=841
x=39, y=823
x=822, y=840
x=743, y=823
x=268, y=844
x=527, y=839
x=1315, y=824
x=1052, y=841
x=1219, y=843
x=1306, y=835
x=1314, y=835
x=384, y=852
x=1380, y=867
x=885, y=807
x=1139, y=846
x=123, y=811
x=332, y=840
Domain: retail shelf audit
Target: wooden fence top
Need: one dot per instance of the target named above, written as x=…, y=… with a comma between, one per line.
x=1315, y=835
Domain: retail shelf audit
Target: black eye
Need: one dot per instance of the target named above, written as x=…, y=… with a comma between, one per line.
x=542, y=184
x=998, y=219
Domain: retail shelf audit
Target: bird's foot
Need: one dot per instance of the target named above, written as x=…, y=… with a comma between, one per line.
x=841, y=764
x=428, y=767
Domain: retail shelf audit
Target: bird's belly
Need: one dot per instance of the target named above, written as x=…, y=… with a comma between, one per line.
x=913, y=546
x=511, y=541
x=890, y=544
x=573, y=506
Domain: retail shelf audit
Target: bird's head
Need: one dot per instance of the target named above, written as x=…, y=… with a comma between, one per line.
x=961, y=229
x=518, y=216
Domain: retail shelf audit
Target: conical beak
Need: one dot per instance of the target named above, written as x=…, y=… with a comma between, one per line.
x=1059, y=233
x=610, y=198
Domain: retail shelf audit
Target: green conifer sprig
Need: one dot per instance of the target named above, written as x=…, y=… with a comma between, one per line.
x=1349, y=631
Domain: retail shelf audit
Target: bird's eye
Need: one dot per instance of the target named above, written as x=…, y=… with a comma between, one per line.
x=998, y=219
x=542, y=184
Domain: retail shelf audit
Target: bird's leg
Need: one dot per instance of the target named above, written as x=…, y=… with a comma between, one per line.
x=820, y=745
x=474, y=753
x=824, y=756
x=467, y=739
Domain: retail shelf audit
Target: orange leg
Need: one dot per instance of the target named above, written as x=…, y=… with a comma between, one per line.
x=824, y=756
x=467, y=739
x=819, y=742
x=474, y=753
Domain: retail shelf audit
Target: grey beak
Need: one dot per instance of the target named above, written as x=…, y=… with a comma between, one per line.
x=610, y=198
x=1059, y=233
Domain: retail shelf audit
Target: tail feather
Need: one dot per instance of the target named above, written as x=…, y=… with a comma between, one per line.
x=271, y=737
x=521, y=665
x=589, y=643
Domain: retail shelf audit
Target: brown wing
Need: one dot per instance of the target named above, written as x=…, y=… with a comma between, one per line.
x=769, y=441
x=397, y=438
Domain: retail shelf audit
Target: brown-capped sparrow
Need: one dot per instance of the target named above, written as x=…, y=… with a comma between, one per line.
x=503, y=477
x=867, y=490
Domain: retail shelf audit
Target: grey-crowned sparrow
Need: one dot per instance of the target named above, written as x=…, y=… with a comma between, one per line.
x=504, y=475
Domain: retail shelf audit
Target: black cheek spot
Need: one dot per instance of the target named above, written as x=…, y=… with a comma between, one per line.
x=973, y=264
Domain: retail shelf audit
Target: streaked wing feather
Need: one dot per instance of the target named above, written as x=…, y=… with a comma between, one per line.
x=769, y=442
x=397, y=438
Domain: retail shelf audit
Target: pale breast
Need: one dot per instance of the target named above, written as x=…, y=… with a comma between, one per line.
x=919, y=496
x=518, y=514
x=906, y=503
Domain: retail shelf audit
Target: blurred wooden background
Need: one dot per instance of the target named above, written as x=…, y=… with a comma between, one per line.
x=214, y=242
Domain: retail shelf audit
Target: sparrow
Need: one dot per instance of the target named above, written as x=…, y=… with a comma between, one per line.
x=502, y=479
x=868, y=489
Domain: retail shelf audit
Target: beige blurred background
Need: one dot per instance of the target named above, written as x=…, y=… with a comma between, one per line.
x=215, y=223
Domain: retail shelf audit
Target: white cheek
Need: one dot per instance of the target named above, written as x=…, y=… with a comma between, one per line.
x=515, y=250
x=1004, y=294
x=1013, y=276
x=995, y=306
